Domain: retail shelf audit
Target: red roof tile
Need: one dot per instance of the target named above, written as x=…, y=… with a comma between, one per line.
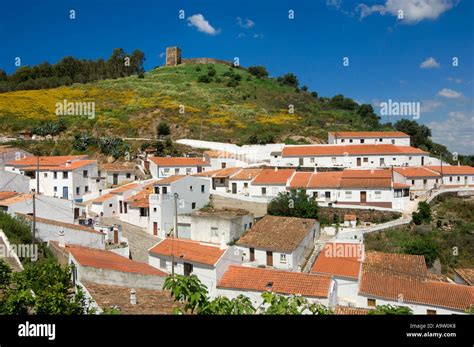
x=339, y=259
x=60, y=224
x=246, y=174
x=376, y=134
x=278, y=281
x=193, y=251
x=110, y=261
x=453, y=169
x=273, y=177
x=338, y=150
x=416, y=172
x=46, y=161
x=178, y=161
x=6, y=195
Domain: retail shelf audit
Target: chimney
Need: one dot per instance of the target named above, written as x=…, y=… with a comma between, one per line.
x=371, y=171
x=68, y=163
x=61, y=238
x=276, y=168
x=133, y=297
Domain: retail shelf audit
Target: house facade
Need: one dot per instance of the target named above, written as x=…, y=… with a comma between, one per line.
x=162, y=167
x=397, y=138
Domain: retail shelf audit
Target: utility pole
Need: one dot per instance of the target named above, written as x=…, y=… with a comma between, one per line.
x=34, y=198
x=175, y=229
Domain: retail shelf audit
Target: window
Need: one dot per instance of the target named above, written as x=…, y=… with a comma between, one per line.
x=128, y=175
x=311, y=160
x=190, y=188
x=162, y=263
x=65, y=174
x=459, y=178
x=333, y=159
x=203, y=188
x=246, y=185
x=45, y=175
x=110, y=205
x=362, y=140
x=55, y=189
x=450, y=178
x=176, y=171
x=350, y=141
x=315, y=195
x=371, y=302
x=378, y=195
x=252, y=254
x=164, y=190
x=412, y=182
x=431, y=312
x=188, y=171
x=167, y=171
x=193, y=205
x=398, y=193
x=409, y=158
x=223, y=165
x=366, y=160
x=85, y=173
x=143, y=212
x=214, y=232
x=86, y=189
x=264, y=191
x=55, y=174
x=382, y=161
x=282, y=258
x=380, y=140
x=342, y=140
x=348, y=194
x=78, y=190
x=154, y=209
x=393, y=142
x=394, y=159
x=221, y=181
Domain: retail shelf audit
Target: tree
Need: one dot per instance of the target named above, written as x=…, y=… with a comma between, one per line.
x=289, y=79
x=424, y=246
x=258, y=71
x=391, y=310
x=423, y=214
x=163, y=129
x=419, y=134
x=294, y=204
x=204, y=79
x=193, y=298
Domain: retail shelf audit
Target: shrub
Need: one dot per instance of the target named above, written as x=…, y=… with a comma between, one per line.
x=204, y=79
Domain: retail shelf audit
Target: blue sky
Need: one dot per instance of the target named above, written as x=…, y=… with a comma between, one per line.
x=407, y=59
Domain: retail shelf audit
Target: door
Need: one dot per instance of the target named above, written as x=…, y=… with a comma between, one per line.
x=76, y=212
x=116, y=236
x=188, y=269
x=269, y=258
x=65, y=192
x=422, y=161
x=125, y=207
x=252, y=254
x=184, y=230
x=199, y=169
x=121, y=206
x=115, y=179
x=359, y=162
x=155, y=228
x=363, y=197
x=234, y=188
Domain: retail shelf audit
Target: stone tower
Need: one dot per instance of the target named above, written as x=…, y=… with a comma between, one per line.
x=173, y=56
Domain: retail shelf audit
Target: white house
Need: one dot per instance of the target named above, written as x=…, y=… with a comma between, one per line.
x=455, y=175
x=192, y=193
x=68, y=177
x=342, y=261
x=109, y=268
x=279, y=242
x=252, y=282
x=219, y=179
x=271, y=182
x=207, y=261
x=352, y=156
x=403, y=280
x=46, y=206
x=222, y=159
x=239, y=183
x=218, y=226
x=116, y=173
x=420, y=179
x=397, y=138
x=161, y=167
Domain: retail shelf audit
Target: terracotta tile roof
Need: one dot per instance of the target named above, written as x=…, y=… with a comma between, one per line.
x=116, y=167
x=366, y=174
x=125, y=187
x=178, y=161
x=453, y=170
x=60, y=224
x=6, y=195
x=278, y=281
x=350, y=217
x=169, y=180
x=46, y=161
x=246, y=174
x=330, y=179
x=139, y=200
x=339, y=259
x=66, y=167
x=467, y=274
x=376, y=134
x=398, y=185
x=103, y=198
x=203, y=253
x=300, y=180
x=110, y=261
x=366, y=183
x=15, y=199
x=148, y=301
x=388, y=276
x=275, y=233
x=338, y=150
x=220, y=173
x=416, y=172
x=272, y=177
x=346, y=310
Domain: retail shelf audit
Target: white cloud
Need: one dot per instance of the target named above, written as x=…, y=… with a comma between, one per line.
x=449, y=93
x=429, y=63
x=454, y=80
x=429, y=105
x=162, y=54
x=334, y=3
x=455, y=132
x=258, y=36
x=413, y=11
x=246, y=24
x=201, y=24
x=241, y=35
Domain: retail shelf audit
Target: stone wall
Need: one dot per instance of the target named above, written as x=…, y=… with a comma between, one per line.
x=205, y=61
x=326, y=214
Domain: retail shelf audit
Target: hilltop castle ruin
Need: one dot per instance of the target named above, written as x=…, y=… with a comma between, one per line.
x=173, y=58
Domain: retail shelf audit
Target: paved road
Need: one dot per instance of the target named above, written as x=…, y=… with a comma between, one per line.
x=138, y=239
